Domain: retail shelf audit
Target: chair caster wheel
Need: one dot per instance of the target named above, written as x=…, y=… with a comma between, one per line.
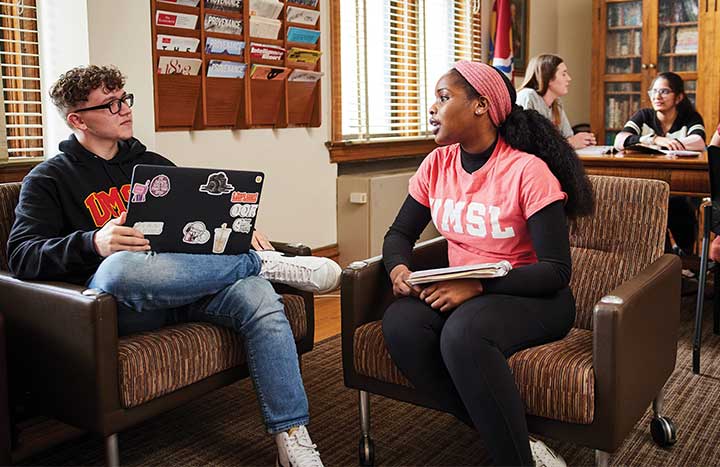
x=366, y=452
x=663, y=431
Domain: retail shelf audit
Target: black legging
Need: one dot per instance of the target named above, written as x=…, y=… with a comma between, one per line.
x=459, y=359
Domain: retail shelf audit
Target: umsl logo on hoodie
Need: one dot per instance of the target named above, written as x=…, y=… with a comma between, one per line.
x=104, y=205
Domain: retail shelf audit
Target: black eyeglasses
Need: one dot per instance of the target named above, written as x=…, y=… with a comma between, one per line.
x=114, y=106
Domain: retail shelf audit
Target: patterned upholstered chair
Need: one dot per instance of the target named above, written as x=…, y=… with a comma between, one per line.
x=64, y=344
x=589, y=388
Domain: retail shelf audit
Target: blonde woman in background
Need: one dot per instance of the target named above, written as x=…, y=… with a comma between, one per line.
x=546, y=81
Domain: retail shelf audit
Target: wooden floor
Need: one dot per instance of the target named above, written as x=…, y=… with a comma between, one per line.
x=327, y=316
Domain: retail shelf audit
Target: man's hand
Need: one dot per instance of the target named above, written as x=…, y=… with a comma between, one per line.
x=668, y=143
x=398, y=276
x=582, y=140
x=260, y=242
x=447, y=295
x=114, y=236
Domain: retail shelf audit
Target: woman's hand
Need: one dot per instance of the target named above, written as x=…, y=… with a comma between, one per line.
x=260, y=242
x=582, y=140
x=398, y=276
x=447, y=295
x=668, y=143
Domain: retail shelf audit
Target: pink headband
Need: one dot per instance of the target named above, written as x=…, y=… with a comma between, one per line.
x=487, y=82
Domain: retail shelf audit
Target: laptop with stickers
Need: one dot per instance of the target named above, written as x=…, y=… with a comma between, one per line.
x=193, y=210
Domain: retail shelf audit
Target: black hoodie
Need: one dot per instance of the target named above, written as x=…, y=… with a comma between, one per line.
x=63, y=202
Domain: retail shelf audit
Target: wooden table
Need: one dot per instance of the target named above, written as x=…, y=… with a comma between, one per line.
x=685, y=175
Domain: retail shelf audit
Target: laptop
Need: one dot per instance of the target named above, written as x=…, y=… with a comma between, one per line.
x=194, y=210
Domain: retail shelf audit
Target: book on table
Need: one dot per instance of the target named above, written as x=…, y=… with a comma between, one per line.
x=596, y=151
x=654, y=149
x=471, y=271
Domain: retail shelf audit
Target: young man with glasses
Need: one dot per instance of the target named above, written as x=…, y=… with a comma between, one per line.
x=70, y=226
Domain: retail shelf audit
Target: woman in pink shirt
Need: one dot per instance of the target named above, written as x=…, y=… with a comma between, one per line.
x=501, y=187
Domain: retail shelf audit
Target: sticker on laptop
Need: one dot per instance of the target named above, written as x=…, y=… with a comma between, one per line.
x=149, y=228
x=160, y=185
x=139, y=191
x=243, y=210
x=220, y=239
x=242, y=197
x=242, y=225
x=217, y=184
x=196, y=233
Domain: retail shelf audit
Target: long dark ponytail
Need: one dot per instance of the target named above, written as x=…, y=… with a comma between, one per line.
x=528, y=131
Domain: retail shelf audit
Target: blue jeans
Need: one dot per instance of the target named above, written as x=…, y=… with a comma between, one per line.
x=153, y=290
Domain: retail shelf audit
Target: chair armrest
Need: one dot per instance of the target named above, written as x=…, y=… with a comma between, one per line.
x=635, y=339
x=366, y=287
x=57, y=334
x=297, y=249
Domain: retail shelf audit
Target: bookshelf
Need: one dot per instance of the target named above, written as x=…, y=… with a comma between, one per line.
x=634, y=40
x=244, y=72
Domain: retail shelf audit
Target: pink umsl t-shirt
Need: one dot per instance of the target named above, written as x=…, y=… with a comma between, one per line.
x=483, y=215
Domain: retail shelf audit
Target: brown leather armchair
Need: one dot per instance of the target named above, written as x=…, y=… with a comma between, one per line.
x=65, y=351
x=589, y=388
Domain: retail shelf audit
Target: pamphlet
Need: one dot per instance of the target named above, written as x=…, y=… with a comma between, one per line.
x=214, y=45
x=226, y=69
x=305, y=75
x=308, y=36
x=266, y=8
x=175, y=20
x=654, y=149
x=215, y=23
x=264, y=28
x=179, y=66
x=266, y=51
x=299, y=55
x=473, y=271
x=177, y=43
x=269, y=72
x=302, y=15
x=182, y=2
x=310, y=3
x=224, y=5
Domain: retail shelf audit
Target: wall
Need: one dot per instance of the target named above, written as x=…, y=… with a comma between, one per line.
x=299, y=200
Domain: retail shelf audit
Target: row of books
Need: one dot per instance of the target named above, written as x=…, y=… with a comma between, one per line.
x=214, y=45
x=624, y=14
x=621, y=43
x=260, y=27
x=622, y=65
x=230, y=69
x=679, y=11
x=619, y=110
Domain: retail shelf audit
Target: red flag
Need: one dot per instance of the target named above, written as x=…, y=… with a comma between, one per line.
x=502, y=50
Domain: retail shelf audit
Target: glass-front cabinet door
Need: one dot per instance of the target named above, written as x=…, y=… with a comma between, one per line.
x=634, y=40
x=677, y=40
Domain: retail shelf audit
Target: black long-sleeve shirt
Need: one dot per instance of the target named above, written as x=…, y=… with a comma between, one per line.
x=63, y=202
x=548, y=233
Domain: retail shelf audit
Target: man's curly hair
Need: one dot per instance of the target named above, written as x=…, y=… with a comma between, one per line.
x=74, y=86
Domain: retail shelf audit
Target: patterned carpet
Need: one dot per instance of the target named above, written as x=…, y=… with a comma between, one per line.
x=224, y=427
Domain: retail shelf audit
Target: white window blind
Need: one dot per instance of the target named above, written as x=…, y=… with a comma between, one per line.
x=392, y=54
x=20, y=61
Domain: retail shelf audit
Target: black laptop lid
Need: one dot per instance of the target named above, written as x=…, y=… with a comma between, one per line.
x=193, y=210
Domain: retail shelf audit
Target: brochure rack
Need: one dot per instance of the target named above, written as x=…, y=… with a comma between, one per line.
x=197, y=101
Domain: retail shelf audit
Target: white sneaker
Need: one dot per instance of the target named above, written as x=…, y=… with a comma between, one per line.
x=309, y=273
x=297, y=449
x=544, y=456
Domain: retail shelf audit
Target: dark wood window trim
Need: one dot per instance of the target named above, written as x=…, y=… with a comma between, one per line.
x=354, y=152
